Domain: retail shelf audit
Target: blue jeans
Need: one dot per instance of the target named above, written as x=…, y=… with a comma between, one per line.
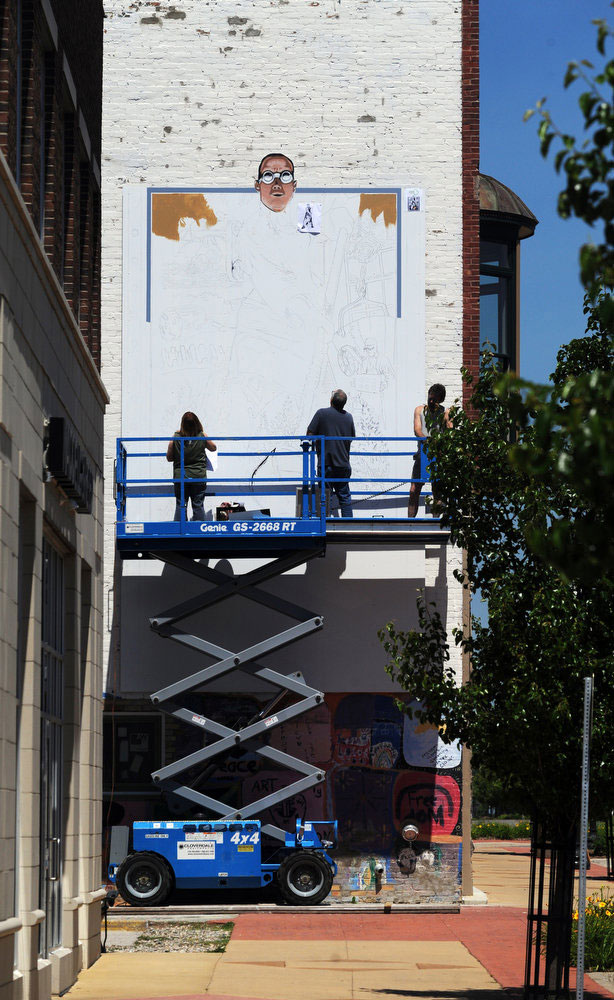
x=341, y=488
x=194, y=492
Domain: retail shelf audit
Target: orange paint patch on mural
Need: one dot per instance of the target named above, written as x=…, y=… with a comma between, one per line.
x=170, y=211
x=380, y=204
x=425, y=727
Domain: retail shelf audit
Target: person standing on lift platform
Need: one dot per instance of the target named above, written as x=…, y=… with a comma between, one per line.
x=194, y=465
x=334, y=421
x=436, y=414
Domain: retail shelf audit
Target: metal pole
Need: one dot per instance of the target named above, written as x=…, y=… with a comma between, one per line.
x=586, y=751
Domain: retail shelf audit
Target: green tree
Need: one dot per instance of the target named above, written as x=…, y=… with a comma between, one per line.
x=589, y=165
x=520, y=711
x=527, y=490
x=573, y=418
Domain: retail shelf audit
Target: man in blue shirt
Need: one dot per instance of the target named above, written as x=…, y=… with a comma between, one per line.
x=335, y=422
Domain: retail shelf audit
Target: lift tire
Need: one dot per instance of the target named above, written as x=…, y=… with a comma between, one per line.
x=304, y=878
x=144, y=879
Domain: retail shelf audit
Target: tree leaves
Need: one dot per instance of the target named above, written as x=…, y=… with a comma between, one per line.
x=511, y=504
x=589, y=166
x=527, y=486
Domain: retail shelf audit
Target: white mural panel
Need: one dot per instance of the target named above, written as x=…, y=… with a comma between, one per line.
x=250, y=317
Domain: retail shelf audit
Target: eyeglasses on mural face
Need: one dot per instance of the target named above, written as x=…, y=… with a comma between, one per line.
x=268, y=176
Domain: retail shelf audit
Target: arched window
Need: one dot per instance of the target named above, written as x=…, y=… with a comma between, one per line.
x=504, y=221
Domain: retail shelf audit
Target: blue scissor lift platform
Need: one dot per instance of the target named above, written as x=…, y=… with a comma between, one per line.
x=215, y=853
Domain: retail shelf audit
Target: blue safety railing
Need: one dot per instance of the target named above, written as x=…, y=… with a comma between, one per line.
x=294, y=471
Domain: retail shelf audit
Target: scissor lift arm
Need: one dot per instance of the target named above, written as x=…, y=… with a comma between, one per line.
x=226, y=739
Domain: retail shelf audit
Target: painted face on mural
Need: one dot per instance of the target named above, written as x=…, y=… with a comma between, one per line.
x=275, y=182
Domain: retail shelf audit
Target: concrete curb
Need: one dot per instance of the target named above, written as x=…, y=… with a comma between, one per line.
x=478, y=898
x=203, y=912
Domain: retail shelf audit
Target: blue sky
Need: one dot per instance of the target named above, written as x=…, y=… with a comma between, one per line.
x=525, y=46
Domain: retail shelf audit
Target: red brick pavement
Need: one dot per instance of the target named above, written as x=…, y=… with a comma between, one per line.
x=495, y=937
x=342, y=927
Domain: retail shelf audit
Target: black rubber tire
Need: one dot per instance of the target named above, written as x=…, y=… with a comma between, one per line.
x=144, y=879
x=304, y=878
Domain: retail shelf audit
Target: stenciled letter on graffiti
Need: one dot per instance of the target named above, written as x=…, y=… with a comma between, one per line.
x=275, y=182
x=431, y=801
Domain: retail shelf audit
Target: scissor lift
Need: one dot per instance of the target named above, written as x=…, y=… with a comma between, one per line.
x=299, y=860
x=229, y=662
x=303, y=867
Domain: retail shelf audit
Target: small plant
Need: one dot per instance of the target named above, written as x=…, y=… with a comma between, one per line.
x=501, y=831
x=599, y=847
x=599, y=947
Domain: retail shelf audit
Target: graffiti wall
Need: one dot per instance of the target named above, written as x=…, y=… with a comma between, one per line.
x=383, y=771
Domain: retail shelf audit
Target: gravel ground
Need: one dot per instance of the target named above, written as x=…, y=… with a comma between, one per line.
x=181, y=936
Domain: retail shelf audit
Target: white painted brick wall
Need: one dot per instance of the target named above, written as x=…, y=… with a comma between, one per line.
x=358, y=92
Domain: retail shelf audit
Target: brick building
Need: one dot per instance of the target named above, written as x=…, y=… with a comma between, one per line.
x=52, y=402
x=368, y=100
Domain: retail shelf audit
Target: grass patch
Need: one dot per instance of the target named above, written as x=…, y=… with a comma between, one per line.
x=501, y=831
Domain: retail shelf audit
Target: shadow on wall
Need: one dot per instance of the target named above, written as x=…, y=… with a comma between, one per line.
x=383, y=769
x=357, y=592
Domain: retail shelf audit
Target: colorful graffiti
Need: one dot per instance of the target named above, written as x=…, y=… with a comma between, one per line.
x=430, y=801
x=369, y=750
x=424, y=747
x=367, y=731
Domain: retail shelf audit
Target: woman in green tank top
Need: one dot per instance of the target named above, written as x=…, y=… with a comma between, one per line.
x=194, y=464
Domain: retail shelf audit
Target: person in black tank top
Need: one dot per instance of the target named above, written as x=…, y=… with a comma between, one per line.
x=436, y=411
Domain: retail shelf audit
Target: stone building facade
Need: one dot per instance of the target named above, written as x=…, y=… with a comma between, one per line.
x=362, y=95
x=52, y=402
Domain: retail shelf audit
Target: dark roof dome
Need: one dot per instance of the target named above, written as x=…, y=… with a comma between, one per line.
x=499, y=203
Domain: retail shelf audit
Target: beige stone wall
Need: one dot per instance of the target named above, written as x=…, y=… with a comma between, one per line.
x=45, y=370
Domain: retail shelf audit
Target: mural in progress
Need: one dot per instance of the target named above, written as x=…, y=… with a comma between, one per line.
x=245, y=305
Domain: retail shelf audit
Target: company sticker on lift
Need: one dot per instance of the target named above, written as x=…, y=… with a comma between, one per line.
x=187, y=849
x=247, y=847
x=217, y=838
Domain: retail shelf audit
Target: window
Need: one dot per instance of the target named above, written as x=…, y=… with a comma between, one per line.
x=498, y=297
x=26, y=551
x=46, y=118
x=52, y=713
x=85, y=227
x=132, y=745
x=19, y=103
x=68, y=206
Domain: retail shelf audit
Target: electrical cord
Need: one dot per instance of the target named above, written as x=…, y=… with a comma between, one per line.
x=259, y=466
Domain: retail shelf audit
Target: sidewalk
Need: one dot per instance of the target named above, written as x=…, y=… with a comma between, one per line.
x=501, y=870
x=476, y=954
